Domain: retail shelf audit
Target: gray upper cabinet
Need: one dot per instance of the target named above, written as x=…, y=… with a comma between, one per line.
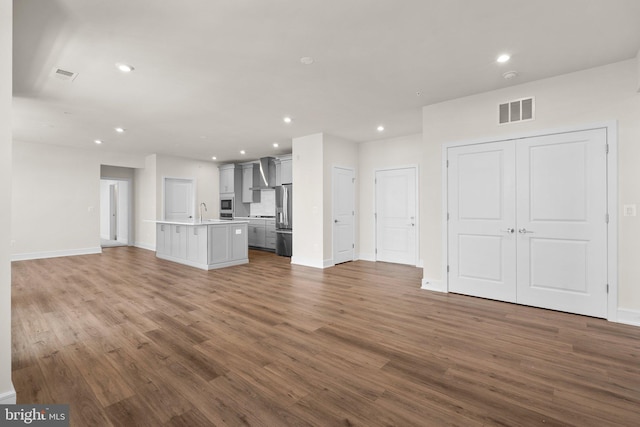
x=250, y=174
x=286, y=171
x=227, y=178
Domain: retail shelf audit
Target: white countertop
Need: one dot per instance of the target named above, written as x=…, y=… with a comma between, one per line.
x=204, y=222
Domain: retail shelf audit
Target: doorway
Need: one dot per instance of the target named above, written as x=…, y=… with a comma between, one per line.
x=396, y=215
x=528, y=221
x=115, y=212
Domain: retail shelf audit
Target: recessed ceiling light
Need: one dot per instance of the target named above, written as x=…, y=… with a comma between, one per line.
x=243, y=152
x=97, y=141
x=214, y=158
x=275, y=145
x=380, y=128
x=119, y=130
x=287, y=119
x=503, y=58
x=306, y=60
x=125, y=68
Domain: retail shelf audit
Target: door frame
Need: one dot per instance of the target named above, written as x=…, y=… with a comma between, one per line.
x=334, y=169
x=417, y=212
x=130, y=219
x=611, y=128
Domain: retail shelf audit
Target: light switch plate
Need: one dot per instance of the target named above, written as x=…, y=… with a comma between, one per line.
x=629, y=210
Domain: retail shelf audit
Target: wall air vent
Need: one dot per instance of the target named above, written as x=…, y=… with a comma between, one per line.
x=519, y=110
x=61, y=74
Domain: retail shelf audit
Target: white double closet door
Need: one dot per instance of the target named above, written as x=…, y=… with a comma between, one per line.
x=528, y=221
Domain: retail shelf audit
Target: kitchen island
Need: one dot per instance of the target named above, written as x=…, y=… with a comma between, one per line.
x=207, y=245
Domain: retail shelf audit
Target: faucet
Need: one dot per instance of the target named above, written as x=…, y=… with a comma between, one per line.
x=205, y=209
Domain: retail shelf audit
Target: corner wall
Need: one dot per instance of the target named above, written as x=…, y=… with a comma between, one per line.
x=582, y=98
x=7, y=392
x=308, y=201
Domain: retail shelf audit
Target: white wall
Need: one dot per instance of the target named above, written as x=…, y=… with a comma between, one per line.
x=582, y=98
x=307, y=154
x=384, y=154
x=56, y=199
x=7, y=393
x=337, y=152
x=145, y=204
x=204, y=174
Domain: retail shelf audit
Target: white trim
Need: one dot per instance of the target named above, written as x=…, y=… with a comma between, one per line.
x=628, y=317
x=367, y=257
x=146, y=246
x=8, y=397
x=433, y=285
x=56, y=254
x=306, y=262
x=611, y=128
x=416, y=167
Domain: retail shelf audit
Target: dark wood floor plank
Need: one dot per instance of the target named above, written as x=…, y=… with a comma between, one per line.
x=128, y=339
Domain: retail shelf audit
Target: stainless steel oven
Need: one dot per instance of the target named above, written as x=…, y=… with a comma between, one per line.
x=226, y=207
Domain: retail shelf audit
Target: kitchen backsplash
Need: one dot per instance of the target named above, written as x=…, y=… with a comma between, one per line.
x=267, y=205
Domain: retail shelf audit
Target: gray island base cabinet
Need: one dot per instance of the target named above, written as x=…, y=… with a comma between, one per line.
x=206, y=245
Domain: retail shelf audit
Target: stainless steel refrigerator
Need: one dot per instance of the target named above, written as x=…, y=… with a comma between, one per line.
x=284, y=223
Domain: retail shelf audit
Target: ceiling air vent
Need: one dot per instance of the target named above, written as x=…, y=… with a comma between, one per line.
x=519, y=110
x=61, y=74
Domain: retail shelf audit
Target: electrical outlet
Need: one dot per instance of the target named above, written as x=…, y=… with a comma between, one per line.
x=629, y=210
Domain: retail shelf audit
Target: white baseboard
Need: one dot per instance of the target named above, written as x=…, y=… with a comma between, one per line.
x=56, y=254
x=8, y=397
x=368, y=257
x=433, y=285
x=307, y=262
x=146, y=246
x=629, y=317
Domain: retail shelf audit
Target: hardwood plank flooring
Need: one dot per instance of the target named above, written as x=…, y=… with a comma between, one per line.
x=130, y=340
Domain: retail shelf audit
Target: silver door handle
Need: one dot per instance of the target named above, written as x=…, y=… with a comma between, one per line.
x=509, y=230
x=524, y=231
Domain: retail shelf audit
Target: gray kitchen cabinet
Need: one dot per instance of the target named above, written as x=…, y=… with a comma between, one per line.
x=197, y=244
x=250, y=179
x=257, y=233
x=163, y=240
x=286, y=171
x=178, y=241
x=227, y=178
x=270, y=234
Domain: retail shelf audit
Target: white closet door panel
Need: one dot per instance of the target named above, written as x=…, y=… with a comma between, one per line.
x=562, y=231
x=481, y=198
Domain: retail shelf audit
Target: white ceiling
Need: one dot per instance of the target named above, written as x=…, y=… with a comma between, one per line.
x=216, y=76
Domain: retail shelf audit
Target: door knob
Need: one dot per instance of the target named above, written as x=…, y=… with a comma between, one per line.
x=509, y=230
x=335, y=220
x=524, y=231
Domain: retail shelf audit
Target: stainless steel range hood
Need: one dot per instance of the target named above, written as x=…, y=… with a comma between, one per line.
x=267, y=174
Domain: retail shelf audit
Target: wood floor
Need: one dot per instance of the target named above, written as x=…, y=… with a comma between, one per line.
x=130, y=340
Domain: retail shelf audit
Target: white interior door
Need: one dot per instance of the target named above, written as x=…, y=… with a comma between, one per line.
x=481, y=226
x=528, y=221
x=343, y=214
x=562, y=228
x=123, y=212
x=396, y=216
x=178, y=199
